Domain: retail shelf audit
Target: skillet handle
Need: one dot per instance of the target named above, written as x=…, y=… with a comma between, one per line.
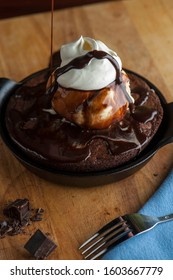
x=168, y=122
x=6, y=86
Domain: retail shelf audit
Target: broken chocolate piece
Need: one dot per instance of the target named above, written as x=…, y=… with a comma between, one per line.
x=37, y=215
x=4, y=228
x=19, y=209
x=40, y=245
x=19, y=215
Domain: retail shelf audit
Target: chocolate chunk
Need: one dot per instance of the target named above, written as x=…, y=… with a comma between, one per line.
x=19, y=209
x=39, y=210
x=37, y=216
x=3, y=224
x=40, y=245
x=19, y=215
x=4, y=228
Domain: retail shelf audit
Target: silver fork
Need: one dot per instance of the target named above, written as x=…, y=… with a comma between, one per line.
x=117, y=231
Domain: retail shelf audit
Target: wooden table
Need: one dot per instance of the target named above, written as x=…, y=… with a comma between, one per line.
x=142, y=34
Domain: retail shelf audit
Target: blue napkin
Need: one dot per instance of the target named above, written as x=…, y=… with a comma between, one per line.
x=156, y=244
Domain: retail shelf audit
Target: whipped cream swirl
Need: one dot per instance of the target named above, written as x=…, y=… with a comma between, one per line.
x=97, y=74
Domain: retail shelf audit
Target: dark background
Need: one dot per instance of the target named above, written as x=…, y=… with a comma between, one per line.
x=11, y=8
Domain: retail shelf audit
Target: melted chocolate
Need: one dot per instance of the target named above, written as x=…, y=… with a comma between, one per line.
x=82, y=61
x=51, y=36
x=53, y=138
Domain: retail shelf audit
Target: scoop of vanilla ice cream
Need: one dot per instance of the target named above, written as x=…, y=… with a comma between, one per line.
x=97, y=74
x=79, y=81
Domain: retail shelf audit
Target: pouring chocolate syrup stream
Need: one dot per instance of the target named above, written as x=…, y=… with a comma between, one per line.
x=81, y=62
x=51, y=38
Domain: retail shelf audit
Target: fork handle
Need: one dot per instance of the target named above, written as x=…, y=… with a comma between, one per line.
x=166, y=218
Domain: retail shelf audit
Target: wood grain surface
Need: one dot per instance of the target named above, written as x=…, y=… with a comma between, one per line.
x=142, y=34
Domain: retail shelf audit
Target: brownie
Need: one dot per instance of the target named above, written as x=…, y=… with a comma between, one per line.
x=53, y=141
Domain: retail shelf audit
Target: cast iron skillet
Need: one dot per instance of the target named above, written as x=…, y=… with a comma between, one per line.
x=162, y=137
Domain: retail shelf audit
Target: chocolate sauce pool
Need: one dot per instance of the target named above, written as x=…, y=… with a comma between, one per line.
x=51, y=137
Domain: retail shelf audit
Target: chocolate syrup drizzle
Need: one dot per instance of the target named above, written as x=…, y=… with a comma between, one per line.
x=81, y=61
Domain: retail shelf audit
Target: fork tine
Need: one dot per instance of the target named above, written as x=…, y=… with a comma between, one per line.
x=115, y=222
x=111, y=233
x=103, y=247
x=103, y=231
x=99, y=243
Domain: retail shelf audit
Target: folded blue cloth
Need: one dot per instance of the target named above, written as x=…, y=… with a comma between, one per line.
x=156, y=244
